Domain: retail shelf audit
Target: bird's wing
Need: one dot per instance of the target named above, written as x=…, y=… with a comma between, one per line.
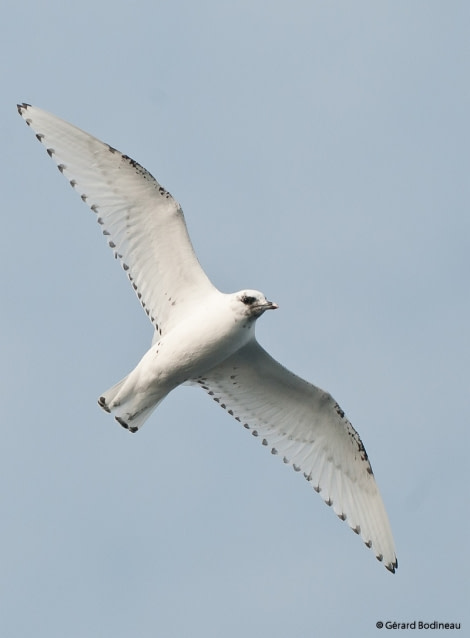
x=306, y=428
x=142, y=222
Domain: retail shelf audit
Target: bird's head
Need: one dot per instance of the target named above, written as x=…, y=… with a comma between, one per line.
x=253, y=303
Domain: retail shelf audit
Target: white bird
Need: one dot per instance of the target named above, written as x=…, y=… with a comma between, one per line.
x=205, y=337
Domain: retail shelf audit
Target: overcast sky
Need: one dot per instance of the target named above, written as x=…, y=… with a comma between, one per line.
x=320, y=151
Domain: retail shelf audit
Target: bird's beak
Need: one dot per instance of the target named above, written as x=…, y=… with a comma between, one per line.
x=270, y=305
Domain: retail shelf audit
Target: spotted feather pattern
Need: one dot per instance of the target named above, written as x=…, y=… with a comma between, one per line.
x=142, y=223
x=307, y=429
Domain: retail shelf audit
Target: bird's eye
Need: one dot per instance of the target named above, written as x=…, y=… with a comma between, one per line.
x=248, y=300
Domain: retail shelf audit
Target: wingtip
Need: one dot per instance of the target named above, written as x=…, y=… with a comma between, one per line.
x=22, y=107
x=391, y=567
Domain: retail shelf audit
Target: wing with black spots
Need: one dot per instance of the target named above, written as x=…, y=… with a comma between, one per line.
x=142, y=222
x=305, y=427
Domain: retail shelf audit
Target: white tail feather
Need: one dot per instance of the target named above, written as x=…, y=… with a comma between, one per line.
x=130, y=410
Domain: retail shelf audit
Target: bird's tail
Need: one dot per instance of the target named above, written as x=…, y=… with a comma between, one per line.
x=130, y=409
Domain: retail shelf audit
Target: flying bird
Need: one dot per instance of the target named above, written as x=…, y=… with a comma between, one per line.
x=207, y=338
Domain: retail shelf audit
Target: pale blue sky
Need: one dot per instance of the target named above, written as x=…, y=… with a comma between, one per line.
x=320, y=151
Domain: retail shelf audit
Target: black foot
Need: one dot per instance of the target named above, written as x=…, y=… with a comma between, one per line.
x=102, y=404
x=125, y=425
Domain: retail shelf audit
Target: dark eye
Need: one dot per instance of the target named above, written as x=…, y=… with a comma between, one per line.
x=248, y=300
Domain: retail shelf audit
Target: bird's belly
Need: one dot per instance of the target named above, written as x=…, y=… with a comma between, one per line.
x=186, y=354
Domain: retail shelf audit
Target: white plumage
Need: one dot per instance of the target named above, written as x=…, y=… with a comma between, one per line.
x=205, y=337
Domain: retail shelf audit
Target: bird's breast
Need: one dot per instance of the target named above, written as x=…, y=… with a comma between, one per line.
x=199, y=343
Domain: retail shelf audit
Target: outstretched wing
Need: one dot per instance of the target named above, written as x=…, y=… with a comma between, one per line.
x=306, y=428
x=144, y=225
